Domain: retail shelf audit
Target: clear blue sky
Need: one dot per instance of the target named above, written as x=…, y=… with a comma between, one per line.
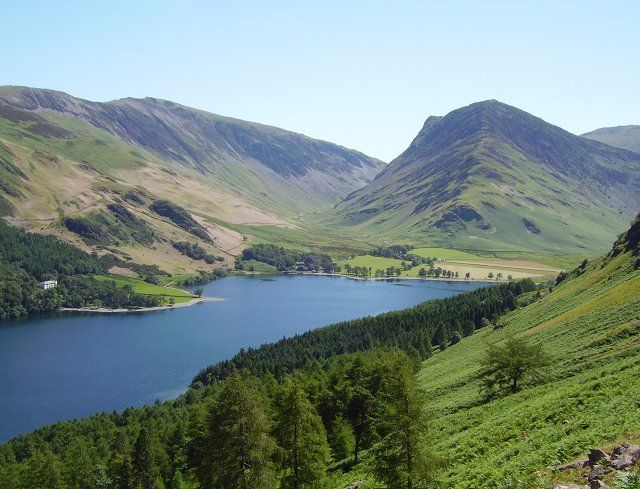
x=362, y=74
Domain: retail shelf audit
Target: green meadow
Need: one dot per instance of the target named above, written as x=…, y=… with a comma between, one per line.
x=142, y=287
x=258, y=266
x=373, y=262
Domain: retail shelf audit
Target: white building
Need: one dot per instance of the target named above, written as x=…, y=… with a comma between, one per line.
x=48, y=284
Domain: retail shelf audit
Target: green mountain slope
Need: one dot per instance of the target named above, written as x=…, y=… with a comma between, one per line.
x=590, y=325
x=91, y=174
x=296, y=172
x=490, y=176
x=625, y=137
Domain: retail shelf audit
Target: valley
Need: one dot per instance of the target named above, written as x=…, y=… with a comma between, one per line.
x=586, y=321
x=366, y=295
x=158, y=353
x=107, y=164
x=320, y=245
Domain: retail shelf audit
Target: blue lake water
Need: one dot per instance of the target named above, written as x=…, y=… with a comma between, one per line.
x=71, y=365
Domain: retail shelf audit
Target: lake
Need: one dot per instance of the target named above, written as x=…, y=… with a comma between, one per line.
x=71, y=365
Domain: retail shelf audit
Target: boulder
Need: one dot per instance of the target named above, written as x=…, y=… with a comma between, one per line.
x=569, y=486
x=598, y=484
x=632, y=451
x=596, y=455
x=597, y=473
x=620, y=449
x=622, y=461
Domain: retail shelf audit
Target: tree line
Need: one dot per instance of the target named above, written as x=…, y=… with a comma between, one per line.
x=28, y=258
x=285, y=259
x=181, y=218
x=402, y=252
x=196, y=252
x=245, y=432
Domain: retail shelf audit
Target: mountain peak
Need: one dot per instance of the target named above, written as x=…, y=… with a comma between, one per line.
x=490, y=103
x=492, y=174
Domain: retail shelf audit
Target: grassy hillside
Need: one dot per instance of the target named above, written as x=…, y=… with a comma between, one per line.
x=266, y=166
x=590, y=325
x=492, y=177
x=139, y=175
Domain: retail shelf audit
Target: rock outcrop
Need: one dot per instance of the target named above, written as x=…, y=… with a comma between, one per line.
x=599, y=463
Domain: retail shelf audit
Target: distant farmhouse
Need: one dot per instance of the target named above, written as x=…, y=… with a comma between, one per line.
x=48, y=284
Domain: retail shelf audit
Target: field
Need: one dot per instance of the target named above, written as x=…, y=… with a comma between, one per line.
x=462, y=262
x=257, y=266
x=562, y=262
x=301, y=237
x=481, y=271
x=373, y=262
x=142, y=287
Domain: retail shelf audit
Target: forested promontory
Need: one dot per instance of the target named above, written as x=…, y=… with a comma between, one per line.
x=26, y=259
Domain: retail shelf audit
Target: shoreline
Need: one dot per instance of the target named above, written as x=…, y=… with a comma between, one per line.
x=105, y=310
x=402, y=277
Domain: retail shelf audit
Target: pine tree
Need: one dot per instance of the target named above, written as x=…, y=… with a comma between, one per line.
x=79, y=466
x=121, y=466
x=178, y=481
x=358, y=402
x=302, y=438
x=43, y=471
x=400, y=425
x=342, y=440
x=143, y=461
x=237, y=449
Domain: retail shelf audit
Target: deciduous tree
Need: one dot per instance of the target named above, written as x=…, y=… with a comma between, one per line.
x=506, y=367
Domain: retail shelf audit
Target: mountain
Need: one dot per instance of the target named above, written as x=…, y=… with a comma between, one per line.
x=491, y=176
x=625, y=137
x=315, y=170
x=64, y=159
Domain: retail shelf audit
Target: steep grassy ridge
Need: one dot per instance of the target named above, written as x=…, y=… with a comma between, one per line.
x=265, y=165
x=590, y=324
x=68, y=169
x=492, y=177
